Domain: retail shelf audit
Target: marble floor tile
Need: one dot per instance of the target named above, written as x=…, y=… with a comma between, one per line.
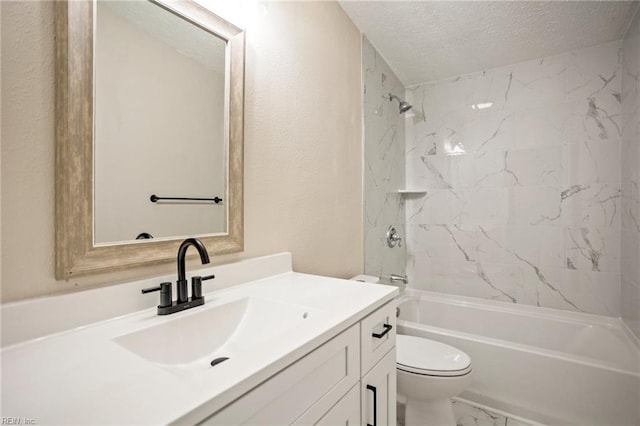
x=468, y=415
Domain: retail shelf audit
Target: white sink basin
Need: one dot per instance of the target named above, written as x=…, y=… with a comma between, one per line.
x=217, y=331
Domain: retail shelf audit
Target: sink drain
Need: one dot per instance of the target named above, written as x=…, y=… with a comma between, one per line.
x=219, y=360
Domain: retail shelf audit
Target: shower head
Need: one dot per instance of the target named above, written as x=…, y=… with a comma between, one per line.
x=404, y=105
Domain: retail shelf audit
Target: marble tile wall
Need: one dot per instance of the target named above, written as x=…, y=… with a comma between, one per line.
x=384, y=169
x=522, y=170
x=630, y=235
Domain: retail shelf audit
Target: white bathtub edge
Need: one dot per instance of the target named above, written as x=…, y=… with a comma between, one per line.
x=402, y=324
x=500, y=306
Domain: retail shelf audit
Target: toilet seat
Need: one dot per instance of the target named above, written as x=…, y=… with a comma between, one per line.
x=430, y=358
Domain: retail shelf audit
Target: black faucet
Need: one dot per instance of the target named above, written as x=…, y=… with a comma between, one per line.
x=182, y=254
x=167, y=306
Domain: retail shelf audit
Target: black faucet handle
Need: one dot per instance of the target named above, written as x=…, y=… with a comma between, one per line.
x=165, y=293
x=196, y=285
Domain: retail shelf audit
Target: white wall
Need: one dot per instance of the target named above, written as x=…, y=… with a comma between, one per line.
x=523, y=198
x=384, y=164
x=630, y=242
x=303, y=172
x=1, y=136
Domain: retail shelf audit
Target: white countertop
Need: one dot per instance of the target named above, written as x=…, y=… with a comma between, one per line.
x=83, y=376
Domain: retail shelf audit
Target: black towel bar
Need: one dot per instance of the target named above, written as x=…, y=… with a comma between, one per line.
x=154, y=198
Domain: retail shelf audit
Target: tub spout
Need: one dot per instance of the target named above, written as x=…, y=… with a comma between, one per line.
x=399, y=278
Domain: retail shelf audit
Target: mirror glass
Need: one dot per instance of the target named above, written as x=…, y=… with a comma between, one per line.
x=161, y=92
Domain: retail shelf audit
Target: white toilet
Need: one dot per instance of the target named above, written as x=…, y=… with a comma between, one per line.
x=429, y=374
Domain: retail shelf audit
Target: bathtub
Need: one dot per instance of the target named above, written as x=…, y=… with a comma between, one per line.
x=550, y=366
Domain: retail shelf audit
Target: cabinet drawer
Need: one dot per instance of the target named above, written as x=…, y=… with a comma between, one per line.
x=319, y=379
x=378, y=335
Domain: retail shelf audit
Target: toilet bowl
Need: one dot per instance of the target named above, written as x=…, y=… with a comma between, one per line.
x=429, y=374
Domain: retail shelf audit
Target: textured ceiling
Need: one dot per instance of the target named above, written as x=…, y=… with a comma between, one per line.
x=430, y=40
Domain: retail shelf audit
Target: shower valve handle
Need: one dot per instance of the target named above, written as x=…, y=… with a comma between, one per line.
x=393, y=239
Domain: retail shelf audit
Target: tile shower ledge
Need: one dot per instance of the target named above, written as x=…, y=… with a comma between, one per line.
x=412, y=191
x=84, y=376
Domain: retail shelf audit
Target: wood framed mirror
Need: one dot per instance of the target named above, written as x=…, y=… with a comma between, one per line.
x=78, y=250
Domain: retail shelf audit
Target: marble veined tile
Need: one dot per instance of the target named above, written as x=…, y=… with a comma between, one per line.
x=441, y=134
x=535, y=166
x=538, y=245
x=490, y=86
x=629, y=255
x=630, y=152
x=592, y=249
x=591, y=162
x=468, y=415
x=538, y=205
x=384, y=165
x=432, y=172
x=592, y=292
x=594, y=70
x=595, y=205
x=483, y=170
x=421, y=272
x=442, y=241
x=381, y=260
x=433, y=208
x=596, y=118
x=463, y=278
x=528, y=156
x=630, y=149
x=440, y=97
x=631, y=305
x=488, y=130
x=521, y=274
x=631, y=205
x=474, y=206
x=507, y=281
x=537, y=81
x=542, y=125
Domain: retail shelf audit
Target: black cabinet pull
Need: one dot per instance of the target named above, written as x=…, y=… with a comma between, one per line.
x=375, y=405
x=387, y=328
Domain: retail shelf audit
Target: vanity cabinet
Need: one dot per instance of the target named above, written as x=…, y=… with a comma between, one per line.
x=378, y=366
x=307, y=389
x=331, y=385
x=378, y=389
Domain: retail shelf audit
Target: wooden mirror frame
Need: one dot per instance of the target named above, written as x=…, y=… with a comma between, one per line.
x=76, y=253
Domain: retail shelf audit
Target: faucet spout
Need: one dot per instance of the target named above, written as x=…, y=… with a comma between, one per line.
x=182, y=254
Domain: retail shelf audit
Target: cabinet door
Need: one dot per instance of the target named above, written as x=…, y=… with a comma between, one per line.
x=378, y=389
x=345, y=413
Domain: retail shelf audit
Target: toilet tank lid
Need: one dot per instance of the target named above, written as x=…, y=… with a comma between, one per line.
x=418, y=354
x=366, y=279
